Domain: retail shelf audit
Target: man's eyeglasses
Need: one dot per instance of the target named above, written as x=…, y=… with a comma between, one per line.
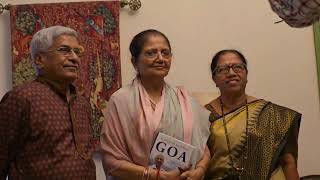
x=154, y=53
x=67, y=51
x=225, y=69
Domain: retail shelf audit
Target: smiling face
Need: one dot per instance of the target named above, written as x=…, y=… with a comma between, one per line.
x=154, y=61
x=230, y=81
x=58, y=65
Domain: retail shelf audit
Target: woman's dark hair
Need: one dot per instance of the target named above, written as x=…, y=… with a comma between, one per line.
x=139, y=40
x=217, y=56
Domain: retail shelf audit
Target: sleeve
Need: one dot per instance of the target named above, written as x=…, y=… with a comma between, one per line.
x=297, y=13
x=13, y=114
x=291, y=146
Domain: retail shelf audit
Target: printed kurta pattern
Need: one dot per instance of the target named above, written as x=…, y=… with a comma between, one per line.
x=43, y=136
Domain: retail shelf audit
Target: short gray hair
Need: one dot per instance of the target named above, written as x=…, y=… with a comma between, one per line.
x=43, y=39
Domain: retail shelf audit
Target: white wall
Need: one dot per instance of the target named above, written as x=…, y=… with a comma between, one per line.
x=281, y=59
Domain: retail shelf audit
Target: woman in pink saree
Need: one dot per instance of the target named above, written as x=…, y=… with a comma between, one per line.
x=137, y=112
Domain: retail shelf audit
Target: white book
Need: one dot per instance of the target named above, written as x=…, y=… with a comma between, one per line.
x=170, y=153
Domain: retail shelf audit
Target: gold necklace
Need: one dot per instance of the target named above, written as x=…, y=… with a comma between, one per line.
x=153, y=104
x=237, y=170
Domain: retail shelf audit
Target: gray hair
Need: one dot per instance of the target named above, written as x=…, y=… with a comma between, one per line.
x=43, y=39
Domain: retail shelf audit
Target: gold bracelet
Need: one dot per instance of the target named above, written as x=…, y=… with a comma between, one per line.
x=145, y=174
x=148, y=173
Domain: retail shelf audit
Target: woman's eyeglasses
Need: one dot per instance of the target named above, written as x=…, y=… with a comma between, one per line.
x=225, y=69
x=154, y=53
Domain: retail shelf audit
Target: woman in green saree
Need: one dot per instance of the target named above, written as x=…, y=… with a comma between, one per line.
x=250, y=138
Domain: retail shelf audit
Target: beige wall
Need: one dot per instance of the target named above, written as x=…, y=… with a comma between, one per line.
x=281, y=59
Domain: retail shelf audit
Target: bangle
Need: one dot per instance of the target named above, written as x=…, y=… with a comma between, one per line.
x=145, y=174
x=148, y=172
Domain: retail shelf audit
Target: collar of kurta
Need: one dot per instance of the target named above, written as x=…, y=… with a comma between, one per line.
x=72, y=89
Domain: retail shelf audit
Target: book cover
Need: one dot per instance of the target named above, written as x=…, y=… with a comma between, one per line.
x=169, y=153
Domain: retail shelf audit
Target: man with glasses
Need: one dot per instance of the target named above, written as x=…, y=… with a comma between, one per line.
x=45, y=124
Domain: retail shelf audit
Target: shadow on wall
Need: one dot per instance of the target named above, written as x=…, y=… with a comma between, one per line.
x=204, y=98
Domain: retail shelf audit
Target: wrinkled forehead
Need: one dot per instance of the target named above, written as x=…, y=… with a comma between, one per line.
x=65, y=40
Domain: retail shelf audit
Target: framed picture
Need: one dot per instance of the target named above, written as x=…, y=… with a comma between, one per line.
x=316, y=31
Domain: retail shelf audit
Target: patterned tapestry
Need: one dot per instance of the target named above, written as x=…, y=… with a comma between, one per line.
x=98, y=26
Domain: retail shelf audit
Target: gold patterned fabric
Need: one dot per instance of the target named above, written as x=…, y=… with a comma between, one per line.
x=272, y=131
